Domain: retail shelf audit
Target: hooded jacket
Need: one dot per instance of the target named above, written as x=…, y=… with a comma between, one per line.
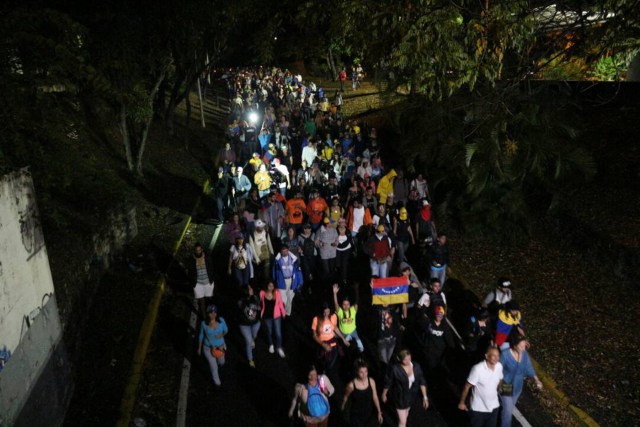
x=385, y=186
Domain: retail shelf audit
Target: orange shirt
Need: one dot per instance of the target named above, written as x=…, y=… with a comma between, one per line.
x=295, y=211
x=327, y=328
x=315, y=209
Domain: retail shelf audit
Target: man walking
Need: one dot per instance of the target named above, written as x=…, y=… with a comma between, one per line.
x=484, y=378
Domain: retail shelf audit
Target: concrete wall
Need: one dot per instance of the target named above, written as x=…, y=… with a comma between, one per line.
x=25, y=277
x=29, y=322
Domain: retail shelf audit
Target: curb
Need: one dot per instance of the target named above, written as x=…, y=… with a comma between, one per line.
x=146, y=330
x=579, y=416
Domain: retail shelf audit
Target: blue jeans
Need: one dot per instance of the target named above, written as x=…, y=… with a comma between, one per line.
x=378, y=269
x=354, y=336
x=241, y=276
x=214, y=363
x=274, y=323
x=221, y=203
x=249, y=332
x=508, y=404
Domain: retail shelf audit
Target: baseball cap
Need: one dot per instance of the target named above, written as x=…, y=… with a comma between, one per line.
x=503, y=282
x=439, y=310
x=212, y=308
x=380, y=228
x=259, y=223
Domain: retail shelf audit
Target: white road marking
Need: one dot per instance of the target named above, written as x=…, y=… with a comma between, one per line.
x=520, y=418
x=181, y=416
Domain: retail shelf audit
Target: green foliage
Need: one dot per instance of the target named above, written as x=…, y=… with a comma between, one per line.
x=561, y=68
x=497, y=156
x=438, y=47
x=612, y=67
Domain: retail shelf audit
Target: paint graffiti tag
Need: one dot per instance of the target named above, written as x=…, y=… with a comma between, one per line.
x=30, y=230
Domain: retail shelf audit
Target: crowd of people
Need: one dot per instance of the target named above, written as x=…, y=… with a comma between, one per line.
x=311, y=206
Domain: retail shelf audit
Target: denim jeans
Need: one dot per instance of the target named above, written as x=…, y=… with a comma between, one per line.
x=274, y=323
x=378, y=269
x=508, y=403
x=354, y=336
x=214, y=363
x=241, y=276
x=249, y=332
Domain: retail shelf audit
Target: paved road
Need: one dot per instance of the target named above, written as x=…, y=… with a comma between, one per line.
x=261, y=396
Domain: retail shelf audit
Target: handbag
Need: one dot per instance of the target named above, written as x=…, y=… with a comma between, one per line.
x=506, y=389
x=217, y=352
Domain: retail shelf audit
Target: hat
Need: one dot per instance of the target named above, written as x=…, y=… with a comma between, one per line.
x=503, y=282
x=239, y=169
x=256, y=155
x=259, y=223
x=403, y=213
x=326, y=220
x=512, y=306
x=425, y=202
x=212, y=308
x=306, y=225
x=439, y=310
x=380, y=228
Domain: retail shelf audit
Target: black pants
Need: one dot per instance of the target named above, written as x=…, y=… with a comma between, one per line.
x=484, y=419
x=342, y=264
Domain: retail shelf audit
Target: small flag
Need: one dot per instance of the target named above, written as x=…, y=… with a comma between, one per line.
x=390, y=290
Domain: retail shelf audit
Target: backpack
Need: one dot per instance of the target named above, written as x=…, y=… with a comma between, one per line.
x=317, y=404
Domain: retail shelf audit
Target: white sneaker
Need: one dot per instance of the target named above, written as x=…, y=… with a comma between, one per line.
x=281, y=352
x=271, y=349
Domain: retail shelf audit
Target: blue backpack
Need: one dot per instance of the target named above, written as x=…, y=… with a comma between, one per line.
x=317, y=404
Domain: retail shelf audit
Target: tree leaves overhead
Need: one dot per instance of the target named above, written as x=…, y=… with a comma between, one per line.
x=436, y=47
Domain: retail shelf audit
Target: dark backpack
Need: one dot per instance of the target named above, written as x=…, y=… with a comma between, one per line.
x=317, y=404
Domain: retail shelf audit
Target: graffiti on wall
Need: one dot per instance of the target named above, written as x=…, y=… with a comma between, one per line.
x=30, y=229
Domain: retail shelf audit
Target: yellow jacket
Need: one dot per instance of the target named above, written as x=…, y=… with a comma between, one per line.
x=385, y=186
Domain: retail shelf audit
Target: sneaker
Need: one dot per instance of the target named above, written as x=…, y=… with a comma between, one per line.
x=281, y=352
x=252, y=363
x=271, y=350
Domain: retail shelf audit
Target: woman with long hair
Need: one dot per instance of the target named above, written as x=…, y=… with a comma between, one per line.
x=406, y=381
x=516, y=365
x=273, y=312
x=364, y=398
x=325, y=329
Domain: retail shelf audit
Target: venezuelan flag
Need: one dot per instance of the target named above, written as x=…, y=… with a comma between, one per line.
x=390, y=290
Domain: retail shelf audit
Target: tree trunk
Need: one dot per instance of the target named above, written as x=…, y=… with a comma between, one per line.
x=332, y=64
x=124, y=131
x=159, y=104
x=186, y=124
x=147, y=124
x=187, y=78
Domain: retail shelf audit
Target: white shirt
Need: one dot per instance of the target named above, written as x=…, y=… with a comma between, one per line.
x=309, y=155
x=358, y=218
x=484, y=396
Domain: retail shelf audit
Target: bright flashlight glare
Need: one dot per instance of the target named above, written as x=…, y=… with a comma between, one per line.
x=253, y=118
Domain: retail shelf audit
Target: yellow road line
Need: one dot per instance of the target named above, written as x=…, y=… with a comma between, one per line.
x=579, y=416
x=148, y=325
